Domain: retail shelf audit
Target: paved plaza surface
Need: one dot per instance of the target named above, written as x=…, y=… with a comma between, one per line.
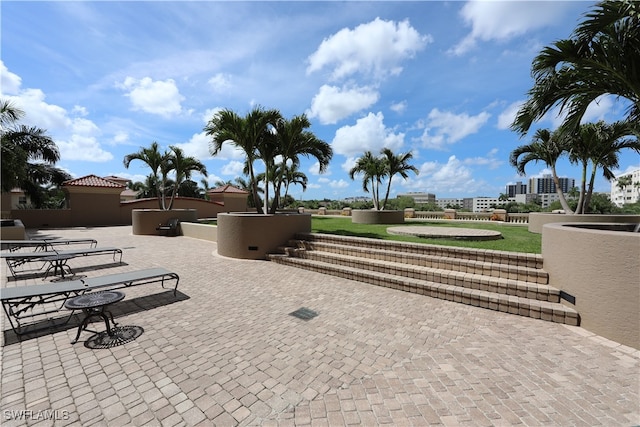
x=227, y=352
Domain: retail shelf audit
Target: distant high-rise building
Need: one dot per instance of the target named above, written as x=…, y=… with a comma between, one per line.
x=517, y=188
x=545, y=185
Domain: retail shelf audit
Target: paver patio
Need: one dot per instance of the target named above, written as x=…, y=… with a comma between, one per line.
x=227, y=352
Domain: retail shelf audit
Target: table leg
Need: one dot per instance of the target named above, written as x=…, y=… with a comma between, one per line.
x=89, y=313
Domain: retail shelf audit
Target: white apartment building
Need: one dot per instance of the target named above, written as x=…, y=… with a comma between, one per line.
x=420, y=197
x=630, y=193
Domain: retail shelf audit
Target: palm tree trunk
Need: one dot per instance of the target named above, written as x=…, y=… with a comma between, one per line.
x=587, y=200
x=563, y=200
x=254, y=189
x=583, y=190
x=386, y=196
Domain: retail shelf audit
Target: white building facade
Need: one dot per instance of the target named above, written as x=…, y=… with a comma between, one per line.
x=628, y=194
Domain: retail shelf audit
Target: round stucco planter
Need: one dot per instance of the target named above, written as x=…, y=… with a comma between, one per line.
x=596, y=267
x=252, y=236
x=538, y=219
x=145, y=221
x=360, y=216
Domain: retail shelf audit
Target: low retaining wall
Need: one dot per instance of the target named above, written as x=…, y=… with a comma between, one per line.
x=377, y=217
x=597, y=271
x=253, y=236
x=200, y=231
x=145, y=221
x=538, y=219
x=12, y=230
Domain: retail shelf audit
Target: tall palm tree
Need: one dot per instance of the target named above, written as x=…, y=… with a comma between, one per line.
x=294, y=141
x=28, y=156
x=597, y=144
x=183, y=167
x=246, y=133
x=373, y=170
x=601, y=58
x=546, y=147
x=396, y=164
x=157, y=162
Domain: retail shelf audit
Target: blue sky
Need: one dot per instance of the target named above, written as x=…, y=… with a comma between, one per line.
x=440, y=79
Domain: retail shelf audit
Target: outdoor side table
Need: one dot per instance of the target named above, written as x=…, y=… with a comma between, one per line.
x=94, y=304
x=57, y=263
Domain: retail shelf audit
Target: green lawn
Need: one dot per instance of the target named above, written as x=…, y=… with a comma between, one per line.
x=515, y=238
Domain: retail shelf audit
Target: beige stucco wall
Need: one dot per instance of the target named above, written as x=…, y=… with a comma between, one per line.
x=601, y=270
x=13, y=232
x=252, y=236
x=361, y=216
x=145, y=221
x=200, y=231
x=538, y=219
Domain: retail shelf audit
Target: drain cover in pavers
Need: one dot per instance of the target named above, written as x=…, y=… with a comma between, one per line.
x=304, y=313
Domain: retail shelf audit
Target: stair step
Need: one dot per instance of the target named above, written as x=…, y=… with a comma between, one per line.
x=545, y=310
x=505, y=271
x=483, y=255
x=500, y=285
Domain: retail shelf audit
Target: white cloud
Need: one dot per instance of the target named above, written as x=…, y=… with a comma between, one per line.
x=76, y=138
x=315, y=170
x=155, y=97
x=197, y=146
x=451, y=177
x=503, y=20
x=373, y=49
x=9, y=82
x=332, y=104
x=508, y=115
x=368, y=134
x=399, y=107
x=220, y=82
x=489, y=161
x=444, y=128
x=234, y=168
x=338, y=184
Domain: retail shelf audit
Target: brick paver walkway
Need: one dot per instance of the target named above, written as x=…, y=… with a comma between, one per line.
x=228, y=352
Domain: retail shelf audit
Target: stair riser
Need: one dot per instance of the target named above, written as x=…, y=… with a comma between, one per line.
x=491, y=256
x=453, y=278
x=438, y=262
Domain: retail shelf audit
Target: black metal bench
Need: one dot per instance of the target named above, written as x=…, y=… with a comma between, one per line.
x=19, y=301
x=170, y=228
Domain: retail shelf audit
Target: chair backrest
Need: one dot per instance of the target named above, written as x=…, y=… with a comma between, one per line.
x=173, y=223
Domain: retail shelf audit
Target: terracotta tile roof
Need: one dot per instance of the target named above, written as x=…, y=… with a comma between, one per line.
x=92, y=181
x=227, y=189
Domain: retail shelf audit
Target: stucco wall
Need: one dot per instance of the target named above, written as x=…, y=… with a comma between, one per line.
x=252, y=236
x=200, y=231
x=538, y=219
x=359, y=216
x=601, y=271
x=145, y=221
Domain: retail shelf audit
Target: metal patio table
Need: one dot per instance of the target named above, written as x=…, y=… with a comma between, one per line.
x=94, y=304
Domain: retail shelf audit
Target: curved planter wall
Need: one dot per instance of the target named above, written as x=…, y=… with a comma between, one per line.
x=145, y=221
x=377, y=217
x=253, y=236
x=599, y=270
x=538, y=219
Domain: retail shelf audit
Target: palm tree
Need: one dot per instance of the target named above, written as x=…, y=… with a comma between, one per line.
x=157, y=161
x=183, y=168
x=396, y=164
x=292, y=175
x=601, y=58
x=546, y=147
x=28, y=156
x=597, y=144
x=373, y=170
x=246, y=133
x=295, y=141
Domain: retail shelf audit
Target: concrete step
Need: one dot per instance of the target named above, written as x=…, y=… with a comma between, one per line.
x=490, y=283
x=482, y=255
x=444, y=262
x=523, y=306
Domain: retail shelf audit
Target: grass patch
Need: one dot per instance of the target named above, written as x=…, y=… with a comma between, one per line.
x=515, y=238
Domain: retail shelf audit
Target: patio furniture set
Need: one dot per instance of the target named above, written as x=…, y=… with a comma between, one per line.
x=92, y=295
